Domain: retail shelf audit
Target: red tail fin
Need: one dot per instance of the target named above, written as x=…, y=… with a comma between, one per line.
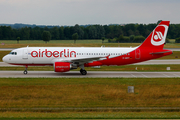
x=157, y=37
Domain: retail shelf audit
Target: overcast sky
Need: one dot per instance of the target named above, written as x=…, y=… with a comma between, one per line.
x=71, y=12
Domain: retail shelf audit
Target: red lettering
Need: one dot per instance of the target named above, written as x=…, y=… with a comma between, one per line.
x=61, y=53
x=56, y=54
x=65, y=53
x=68, y=53
x=39, y=52
x=72, y=53
x=47, y=55
x=34, y=52
x=42, y=53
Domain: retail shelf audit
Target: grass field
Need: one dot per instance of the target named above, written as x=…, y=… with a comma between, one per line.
x=88, y=92
x=70, y=43
x=90, y=115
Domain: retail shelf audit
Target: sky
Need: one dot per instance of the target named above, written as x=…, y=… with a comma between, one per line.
x=82, y=12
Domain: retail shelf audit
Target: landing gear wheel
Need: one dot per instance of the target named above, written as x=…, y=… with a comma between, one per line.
x=83, y=72
x=25, y=72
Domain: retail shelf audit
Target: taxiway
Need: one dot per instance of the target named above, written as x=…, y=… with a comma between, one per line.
x=90, y=74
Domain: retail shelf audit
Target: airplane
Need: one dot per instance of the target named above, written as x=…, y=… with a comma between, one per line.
x=65, y=59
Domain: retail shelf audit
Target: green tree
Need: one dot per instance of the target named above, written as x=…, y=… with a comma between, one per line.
x=61, y=33
x=92, y=32
x=120, y=39
x=25, y=33
x=55, y=33
x=75, y=37
x=177, y=40
x=131, y=38
x=46, y=36
x=18, y=38
x=139, y=39
x=67, y=34
x=103, y=38
x=167, y=40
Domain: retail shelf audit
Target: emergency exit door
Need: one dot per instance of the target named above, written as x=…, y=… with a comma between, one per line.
x=137, y=54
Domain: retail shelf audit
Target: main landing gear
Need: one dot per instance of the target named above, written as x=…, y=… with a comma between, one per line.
x=25, y=71
x=83, y=72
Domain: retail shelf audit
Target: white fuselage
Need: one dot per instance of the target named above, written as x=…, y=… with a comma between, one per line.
x=49, y=55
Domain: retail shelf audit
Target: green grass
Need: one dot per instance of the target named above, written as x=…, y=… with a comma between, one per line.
x=70, y=43
x=90, y=115
x=51, y=41
x=88, y=92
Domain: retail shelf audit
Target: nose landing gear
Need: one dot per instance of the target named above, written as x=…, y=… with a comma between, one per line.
x=25, y=71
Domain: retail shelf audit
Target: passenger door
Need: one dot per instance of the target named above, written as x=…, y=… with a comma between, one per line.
x=25, y=54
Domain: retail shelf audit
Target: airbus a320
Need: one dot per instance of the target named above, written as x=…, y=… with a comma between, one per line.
x=65, y=59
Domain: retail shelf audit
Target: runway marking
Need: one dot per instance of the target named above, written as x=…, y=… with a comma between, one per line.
x=165, y=75
x=144, y=75
x=176, y=75
x=133, y=75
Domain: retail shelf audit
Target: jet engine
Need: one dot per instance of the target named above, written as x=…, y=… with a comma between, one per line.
x=63, y=66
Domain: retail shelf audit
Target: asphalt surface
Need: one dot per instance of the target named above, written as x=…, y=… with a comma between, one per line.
x=90, y=74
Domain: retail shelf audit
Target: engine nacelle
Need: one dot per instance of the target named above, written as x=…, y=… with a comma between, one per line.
x=62, y=66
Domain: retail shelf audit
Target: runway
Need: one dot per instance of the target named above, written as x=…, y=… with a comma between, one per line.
x=90, y=74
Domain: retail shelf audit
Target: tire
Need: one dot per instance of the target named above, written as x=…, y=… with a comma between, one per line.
x=25, y=72
x=83, y=72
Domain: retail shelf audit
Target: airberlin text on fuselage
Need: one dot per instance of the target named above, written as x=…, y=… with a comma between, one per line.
x=48, y=53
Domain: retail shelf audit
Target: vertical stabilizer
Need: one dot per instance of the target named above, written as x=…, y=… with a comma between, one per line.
x=157, y=38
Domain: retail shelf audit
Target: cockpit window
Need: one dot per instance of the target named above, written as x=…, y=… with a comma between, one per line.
x=13, y=53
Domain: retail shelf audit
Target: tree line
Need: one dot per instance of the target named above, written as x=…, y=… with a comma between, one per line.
x=118, y=33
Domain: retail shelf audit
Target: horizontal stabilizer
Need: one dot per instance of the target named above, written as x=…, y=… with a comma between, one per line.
x=157, y=53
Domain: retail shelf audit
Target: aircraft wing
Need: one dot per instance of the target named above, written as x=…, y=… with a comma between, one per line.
x=81, y=60
x=86, y=60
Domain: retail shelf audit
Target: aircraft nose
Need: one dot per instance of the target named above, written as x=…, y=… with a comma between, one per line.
x=5, y=59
